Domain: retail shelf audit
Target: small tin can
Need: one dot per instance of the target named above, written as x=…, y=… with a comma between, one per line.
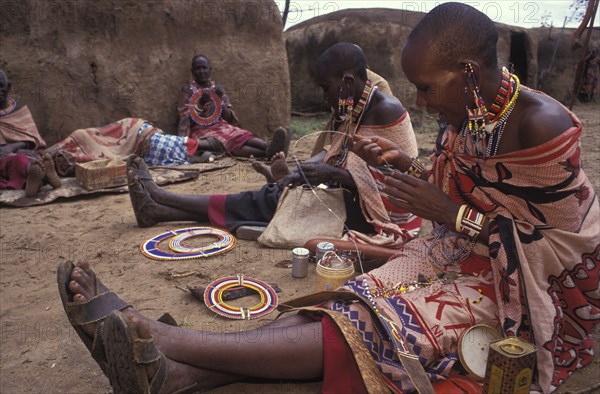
x=473, y=348
x=510, y=366
x=300, y=262
x=322, y=248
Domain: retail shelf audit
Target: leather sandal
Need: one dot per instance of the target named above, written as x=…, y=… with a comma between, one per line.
x=128, y=356
x=94, y=310
x=138, y=194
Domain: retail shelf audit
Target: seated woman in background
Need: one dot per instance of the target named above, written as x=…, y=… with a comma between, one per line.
x=205, y=114
x=22, y=166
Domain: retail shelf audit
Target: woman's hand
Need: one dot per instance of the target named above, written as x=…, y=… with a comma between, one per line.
x=377, y=151
x=316, y=173
x=420, y=197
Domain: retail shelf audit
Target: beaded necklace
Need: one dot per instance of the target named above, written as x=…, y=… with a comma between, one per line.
x=11, y=104
x=506, y=88
x=486, y=144
x=358, y=111
x=356, y=118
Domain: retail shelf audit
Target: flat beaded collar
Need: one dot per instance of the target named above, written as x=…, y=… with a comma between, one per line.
x=11, y=104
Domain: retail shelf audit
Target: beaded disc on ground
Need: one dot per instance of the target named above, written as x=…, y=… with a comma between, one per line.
x=213, y=298
x=177, y=251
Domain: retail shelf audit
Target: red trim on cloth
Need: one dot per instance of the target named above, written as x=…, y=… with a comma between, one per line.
x=385, y=126
x=192, y=146
x=340, y=372
x=13, y=171
x=216, y=210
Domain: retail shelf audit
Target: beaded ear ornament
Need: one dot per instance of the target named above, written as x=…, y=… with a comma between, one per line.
x=345, y=98
x=476, y=116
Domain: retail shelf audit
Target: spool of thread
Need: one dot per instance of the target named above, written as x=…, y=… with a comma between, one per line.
x=333, y=271
x=322, y=248
x=300, y=262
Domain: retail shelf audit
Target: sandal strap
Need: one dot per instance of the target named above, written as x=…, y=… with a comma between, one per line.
x=160, y=376
x=97, y=347
x=94, y=309
x=144, y=351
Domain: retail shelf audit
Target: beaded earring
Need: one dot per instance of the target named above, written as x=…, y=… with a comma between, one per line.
x=346, y=100
x=477, y=115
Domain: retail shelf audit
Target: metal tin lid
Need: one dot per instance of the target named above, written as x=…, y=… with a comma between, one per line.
x=473, y=347
x=513, y=347
x=325, y=246
x=300, y=251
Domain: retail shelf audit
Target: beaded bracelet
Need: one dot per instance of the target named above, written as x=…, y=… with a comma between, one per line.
x=416, y=168
x=469, y=221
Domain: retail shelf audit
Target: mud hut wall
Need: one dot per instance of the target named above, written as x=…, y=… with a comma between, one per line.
x=381, y=33
x=559, y=82
x=80, y=64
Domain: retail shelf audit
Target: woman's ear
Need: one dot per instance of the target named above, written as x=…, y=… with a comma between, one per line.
x=348, y=77
x=474, y=64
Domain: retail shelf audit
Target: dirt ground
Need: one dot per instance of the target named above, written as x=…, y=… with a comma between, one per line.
x=40, y=352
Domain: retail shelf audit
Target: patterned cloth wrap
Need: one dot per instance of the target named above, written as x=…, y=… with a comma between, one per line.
x=537, y=278
x=166, y=150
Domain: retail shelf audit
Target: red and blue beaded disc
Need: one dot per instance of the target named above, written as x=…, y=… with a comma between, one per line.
x=197, y=116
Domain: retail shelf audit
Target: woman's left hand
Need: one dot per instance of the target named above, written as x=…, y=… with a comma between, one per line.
x=420, y=198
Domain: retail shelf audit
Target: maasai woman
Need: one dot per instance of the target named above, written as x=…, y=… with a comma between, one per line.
x=22, y=166
x=205, y=113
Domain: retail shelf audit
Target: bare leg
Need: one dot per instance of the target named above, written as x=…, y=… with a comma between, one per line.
x=257, y=143
x=291, y=348
x=35, y=176
x=373, y=256
x=247, y=151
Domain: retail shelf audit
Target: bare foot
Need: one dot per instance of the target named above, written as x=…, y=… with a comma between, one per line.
x=35, y=176
x=279, y=167
x=50, y=171
x=278, y=143
x=262, y=169
x=84, y=286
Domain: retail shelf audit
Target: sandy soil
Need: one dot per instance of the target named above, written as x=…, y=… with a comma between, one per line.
x=40, y=352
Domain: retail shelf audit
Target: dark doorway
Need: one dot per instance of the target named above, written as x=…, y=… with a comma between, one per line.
x=518, y=55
